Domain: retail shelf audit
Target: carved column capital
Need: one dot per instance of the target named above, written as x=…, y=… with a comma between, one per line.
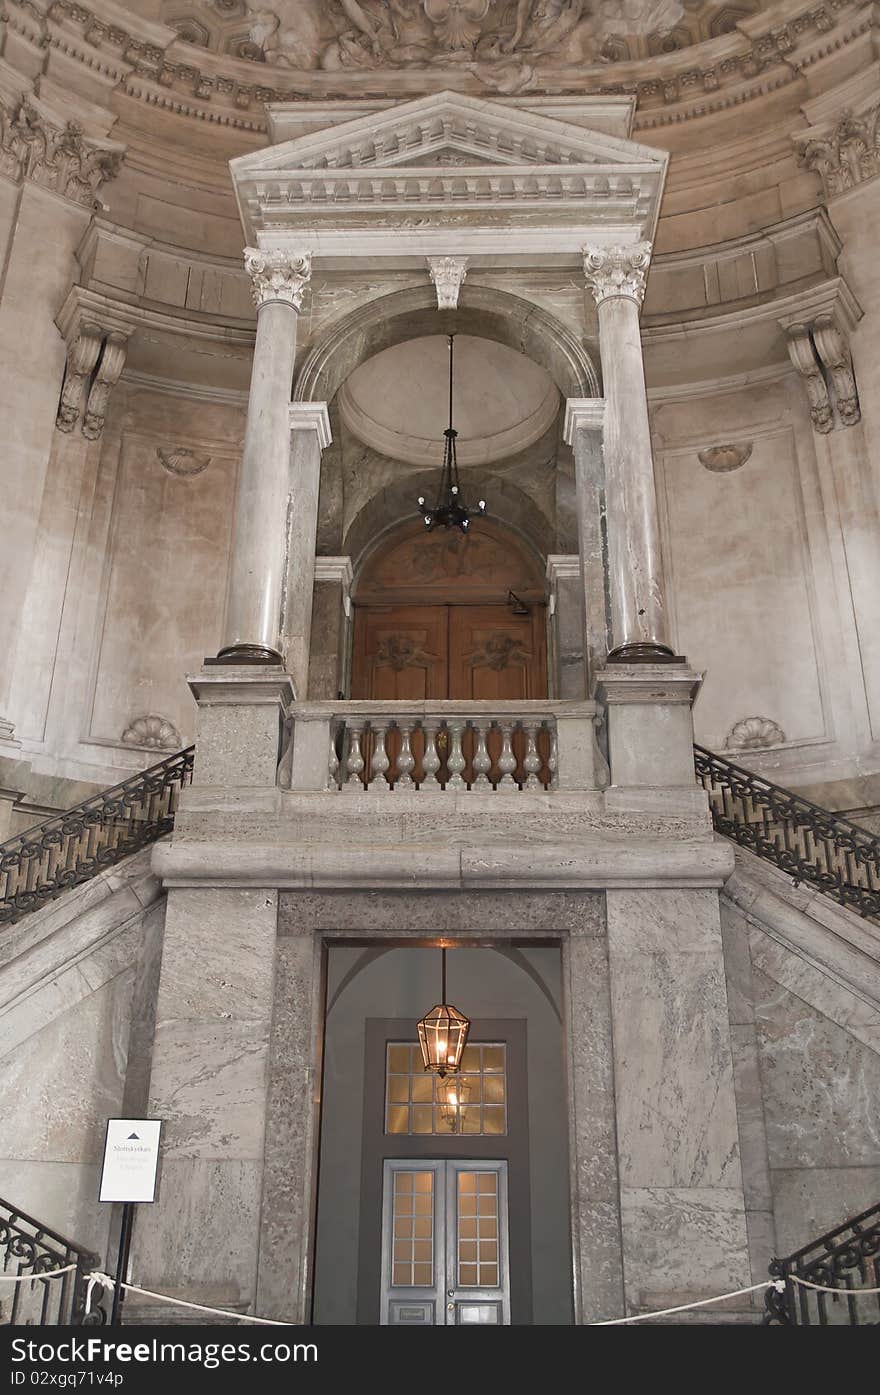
x=447, y=274
x=620, y=271
x=278, y=276
x=55, y=155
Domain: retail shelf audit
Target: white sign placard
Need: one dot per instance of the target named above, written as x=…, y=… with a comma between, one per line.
x=131, y=1156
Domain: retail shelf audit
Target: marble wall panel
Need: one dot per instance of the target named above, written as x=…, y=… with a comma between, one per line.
x=163, y=595
x=681, y=1244
x=821, y=1087
x=63, y=1196
x=676, y=1119
x=742, y=579
x=810, y=1201
x=493, y=912
x=58, y=1088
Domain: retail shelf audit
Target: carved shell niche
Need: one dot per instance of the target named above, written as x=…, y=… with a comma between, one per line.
x=722, y=459
x=182, y=461
x=152, y=731
x=754, y=734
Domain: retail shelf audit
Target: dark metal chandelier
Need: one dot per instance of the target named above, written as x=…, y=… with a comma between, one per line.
x=443, y=1033
x=450, y=510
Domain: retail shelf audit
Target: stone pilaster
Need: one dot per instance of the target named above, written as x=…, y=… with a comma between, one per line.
x=331, y=616
x=309, y=435
x=257, y=564
x=567, y=648
x=617, y=277
x=584, y=422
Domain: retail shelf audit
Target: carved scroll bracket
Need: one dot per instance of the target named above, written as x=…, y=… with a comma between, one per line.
x=819, y=350
x=447, y=274
x=95, y=360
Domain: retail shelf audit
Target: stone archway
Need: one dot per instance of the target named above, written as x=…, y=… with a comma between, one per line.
x=483, y=312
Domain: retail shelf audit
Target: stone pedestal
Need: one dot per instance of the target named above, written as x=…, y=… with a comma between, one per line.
x=309, y=434
x=683, y=1219
x=241, y=712
x=650, y=725
x=209, y=1077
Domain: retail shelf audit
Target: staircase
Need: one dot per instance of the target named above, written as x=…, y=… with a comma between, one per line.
x=31, y=1252
x=70, y=848
x=810, y=844
x=846, y=1260
x=807, y=842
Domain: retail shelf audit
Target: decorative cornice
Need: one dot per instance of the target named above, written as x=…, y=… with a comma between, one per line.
x=278, y=276
x=582, y=414
x=160, y=68
x=614, y=272
x=312, y=416
x=447, y=274
x=53, y=156
x=848, y=155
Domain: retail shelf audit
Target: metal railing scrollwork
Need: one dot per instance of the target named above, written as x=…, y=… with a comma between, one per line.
x=31, y=1253
x=811, y=844
x=846, y=1260
x=41, y=863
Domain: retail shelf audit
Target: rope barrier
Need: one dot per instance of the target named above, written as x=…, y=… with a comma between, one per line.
x=29, y=1278
x=841, y=1292
x=778, y=1284
x=105, y=1280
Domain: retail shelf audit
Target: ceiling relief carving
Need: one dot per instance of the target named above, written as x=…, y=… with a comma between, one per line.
x=508, y=46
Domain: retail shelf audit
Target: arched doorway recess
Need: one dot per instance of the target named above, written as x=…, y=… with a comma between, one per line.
x=445, y=615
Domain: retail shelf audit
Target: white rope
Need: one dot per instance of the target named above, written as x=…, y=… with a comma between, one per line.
x=98, y=1278
x=778, y=1284
x=841, y=1292
x=30, y=1278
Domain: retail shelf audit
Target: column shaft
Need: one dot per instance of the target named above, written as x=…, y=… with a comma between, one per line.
x=256, y=570
x=635, y=567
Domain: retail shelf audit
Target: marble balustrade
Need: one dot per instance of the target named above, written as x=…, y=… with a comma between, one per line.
x=401, y=747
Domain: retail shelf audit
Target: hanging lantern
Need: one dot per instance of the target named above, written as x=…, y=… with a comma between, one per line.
x=450, y=509
x=454, y=1093
x=443, y=1033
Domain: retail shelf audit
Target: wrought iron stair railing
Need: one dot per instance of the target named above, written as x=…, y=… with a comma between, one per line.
x=811, y=844
x=31, y=1252
x=41, y=863
x=846, y=1260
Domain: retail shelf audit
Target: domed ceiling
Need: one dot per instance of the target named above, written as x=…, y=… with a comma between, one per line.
x=508, y=45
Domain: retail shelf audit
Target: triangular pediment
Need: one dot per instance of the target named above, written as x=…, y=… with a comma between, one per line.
x=448, y=128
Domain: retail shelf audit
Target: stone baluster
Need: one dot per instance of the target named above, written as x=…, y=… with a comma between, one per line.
x=456, y=762
x=380, y=762
x=482, y=759
x=431, y=758
x=405, y=758
x=531, y=760
x=355, y=761
x=333, y=762
x=259, y=546
x=506, y=761
x=553, y=758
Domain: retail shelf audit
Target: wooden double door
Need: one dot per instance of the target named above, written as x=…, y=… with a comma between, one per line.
x=467, y=652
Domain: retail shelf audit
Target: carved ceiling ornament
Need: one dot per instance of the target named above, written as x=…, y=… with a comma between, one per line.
x=277, y=276
x=182, y=461
x=721, y=460
x=152, y=731
x=754, y=734
x=53, y=156
x=618, y=271
x=502, y=44
x=849, y=155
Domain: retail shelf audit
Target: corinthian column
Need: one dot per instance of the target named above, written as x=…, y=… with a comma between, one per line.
x=616, y=276
x=257, y=564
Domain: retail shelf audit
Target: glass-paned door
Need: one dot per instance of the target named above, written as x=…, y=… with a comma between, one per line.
x=444, y=1243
